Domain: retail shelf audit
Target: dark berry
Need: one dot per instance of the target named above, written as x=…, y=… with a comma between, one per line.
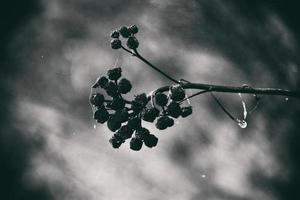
x=170, y=122
x=150, y=140
x=186, y=111
x=124, y=86
x=139, y=102
x=115, y=43
x=122, y=115
x=177, y=93
x=141, y=98
x=142, y=133
x=133, y=29
x=161, y=99
x=101, y=115
x=115, y=142
x=113, y=124
x=97, y=99
x=116, y=104
x=124, y=31
x=134, y=123
x=174, y=109
x=125, y=132
x=114, y=34
x=164, y=122
x=114, y=73
x=150, y=114
x=101, y=82
x=111, y=89
x=136, y=144
x=132, y=42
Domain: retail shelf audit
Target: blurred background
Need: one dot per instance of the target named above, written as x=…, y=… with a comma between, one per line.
x=52, y=51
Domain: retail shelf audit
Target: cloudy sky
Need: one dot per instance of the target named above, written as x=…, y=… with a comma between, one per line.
x=52, y=51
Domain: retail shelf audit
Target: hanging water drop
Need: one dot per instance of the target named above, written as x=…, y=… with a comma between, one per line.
x=286, y=99
x=242, y=123
x=95, y=126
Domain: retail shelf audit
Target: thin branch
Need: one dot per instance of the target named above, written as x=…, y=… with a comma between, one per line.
x=223, y=108
x=153, y=67
x=232, y=89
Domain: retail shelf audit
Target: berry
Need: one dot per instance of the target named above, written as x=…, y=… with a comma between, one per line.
x=125, y=132
x=142, y=133
x=115, y=43
x=161, y=99
x=150, y=140
x=114, y=34
x=117, y=103
x=97, y=99
x=139, y=102
x=114, y=74
x=136, y=144
x=150, y=114
x=132, y=42
x=124, y=86
x=111, y=89
x=164, y=122
x=101, y=115
x=134, y=123
x=133, y=29
x=115, y=142
x=101, y=82
x=113, y=124
x=122, y=115
x=186, y=111
x=124, y=31
x=174, y=109
x=177, y=93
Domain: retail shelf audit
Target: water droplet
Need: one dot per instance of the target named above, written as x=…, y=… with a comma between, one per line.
x=95, y=126
x=203, y=176
x=242, y=123
x=286, y=99
x=42, y=57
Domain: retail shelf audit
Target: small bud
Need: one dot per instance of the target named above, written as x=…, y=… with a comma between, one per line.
x=151, y=141
x=125, y=132
x=161, y=99
x=177, y=93
x=114, y=74
x=163, y=122
x=133, y=29
x=139, y=102
x=117, y=104
x=174, y=109
x=122, y=115
x=115, y=142
x=124, y=86
x=97, y=99
x=113, y=124
x=132, y=42
x=124, y=31
x=136, y=144
x=114, y=34
x=101, y=115
x=150, y=114
x=186, y=111
x=115, y=44
x=142, y=133
x=134, y=123
x=111, y=89
x=101, y=82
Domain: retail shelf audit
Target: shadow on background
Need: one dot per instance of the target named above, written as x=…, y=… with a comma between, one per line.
x=15, y=149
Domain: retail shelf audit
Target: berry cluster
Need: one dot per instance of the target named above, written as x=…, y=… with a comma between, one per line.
x=124, y=117
x=125, y=32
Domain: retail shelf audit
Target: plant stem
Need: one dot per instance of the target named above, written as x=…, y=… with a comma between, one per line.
x=231, y=89
x=153, y=67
